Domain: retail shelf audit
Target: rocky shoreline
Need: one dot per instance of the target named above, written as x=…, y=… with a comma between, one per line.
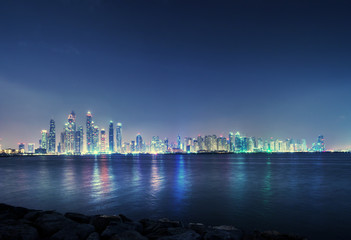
x=18, y=223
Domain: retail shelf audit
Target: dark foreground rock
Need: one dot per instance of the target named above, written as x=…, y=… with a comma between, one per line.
x=17, y=223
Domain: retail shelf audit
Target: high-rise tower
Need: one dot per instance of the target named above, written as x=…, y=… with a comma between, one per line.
x=89, y=133
x=103, y=141
x=52, y=137
x=139, y=143
x=111, y=140
x=231, y=142
x=70, y=133
x=44, y=139
x=119, y=137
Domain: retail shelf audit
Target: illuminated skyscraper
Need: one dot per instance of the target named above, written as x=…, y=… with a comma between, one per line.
x=31, y=147
x=119, y=137
x=52, y=137
x=111, y=140
x=132, y=146
x=139, y=143
x=320, y=144
x=95, y=146
x=44, y=139
x=79, y=140
x=103, y=141
x=21, y=147
x=231, y=142
x=89, y=133
x=70, y=134
x=238, y=142
x=178, y=142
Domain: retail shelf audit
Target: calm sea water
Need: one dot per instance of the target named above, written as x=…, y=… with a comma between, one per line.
x=308, y=194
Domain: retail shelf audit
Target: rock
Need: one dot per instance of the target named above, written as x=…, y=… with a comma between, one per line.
x=128, y=235
x=197, y=227
x=74, y=231
x=124, y=218
x=226, y=228
x=33, y=215
x=77, y=217
x=214, y=234
x=119, y=228
x=18, y=232
x=100, y=222
x=50, y=223
x=171, y=223
x=155, y=228
x=94, y=236
x=187, y=235
x=10, y=212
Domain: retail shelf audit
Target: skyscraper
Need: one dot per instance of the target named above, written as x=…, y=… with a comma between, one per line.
x=70, y=133
x=119, y=137
x=103, y=141
x=79, y=140
x=44, y=139
x=21, y=147
x=111, y=143
x=89, y=132
x=231, y=142
x=238, y=142
x=95, y=143
x=139, y=143
x=31, y=147
x=52, y=137
x=178, y=142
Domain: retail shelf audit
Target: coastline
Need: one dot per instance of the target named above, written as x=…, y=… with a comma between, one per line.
x=30, y=224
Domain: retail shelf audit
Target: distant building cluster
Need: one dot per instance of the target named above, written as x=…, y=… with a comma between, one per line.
x=73, y=141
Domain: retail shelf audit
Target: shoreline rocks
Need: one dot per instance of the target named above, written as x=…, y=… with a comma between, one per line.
x=17, y=223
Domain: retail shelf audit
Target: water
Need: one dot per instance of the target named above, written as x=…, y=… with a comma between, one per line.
x=308, y=194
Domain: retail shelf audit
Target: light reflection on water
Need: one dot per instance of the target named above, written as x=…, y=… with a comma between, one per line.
x=290, y=192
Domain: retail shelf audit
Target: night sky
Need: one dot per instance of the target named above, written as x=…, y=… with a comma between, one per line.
x=264, y=68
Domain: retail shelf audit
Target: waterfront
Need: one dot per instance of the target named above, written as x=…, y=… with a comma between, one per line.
x=304, y=193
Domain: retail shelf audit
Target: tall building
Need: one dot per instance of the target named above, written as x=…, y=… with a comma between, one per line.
x=70, y=134
x=132, y=146
x=79, y=140
x=178, y=142
x=31, y=147
x=111, y=140
x=52, y=137
x=320, y=144
x=139, y=143
x=89, y=133
x=103, y=141
x=119, y=137
x=95, y=138
x=231, y=142
x=21, y=147
x=44, y=139
x=238, y=142
x=62, y=142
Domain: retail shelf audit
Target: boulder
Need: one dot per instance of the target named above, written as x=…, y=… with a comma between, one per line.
x=128, y=235
x=93, y=236
x=77, y=217
x=197, y=227
x=187, y=235
x=215, y=234
x=18, y=231
x=100, y=222
x=50, y=223
x=119, y=228
x=74, y=231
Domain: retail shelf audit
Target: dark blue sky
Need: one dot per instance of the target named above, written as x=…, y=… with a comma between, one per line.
x=265, y=68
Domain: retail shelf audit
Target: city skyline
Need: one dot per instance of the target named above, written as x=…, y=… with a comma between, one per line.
x=72, y=138
x=164, y=68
